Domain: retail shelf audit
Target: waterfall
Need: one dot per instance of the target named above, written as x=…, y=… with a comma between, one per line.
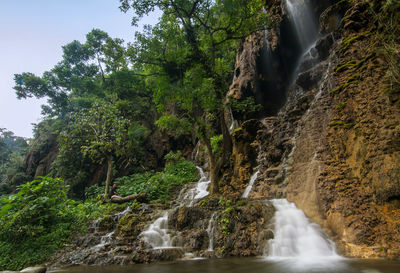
x=211, y=230
x=234, y=124
x=250, y=186
x=189, y=196
x=297, y=238
x=303, y=20
x=157, y=233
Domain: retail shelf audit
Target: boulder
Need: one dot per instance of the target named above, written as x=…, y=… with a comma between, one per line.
x=324, y=45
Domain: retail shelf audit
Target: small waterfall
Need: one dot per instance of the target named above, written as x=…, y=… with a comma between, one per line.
x=250, y=186
x=304, y=22
x=189, y=196
x=298, y=238
x=211, y=230
x=104, y=240
x=121, y=214
x=234, y=123
x=157, y=233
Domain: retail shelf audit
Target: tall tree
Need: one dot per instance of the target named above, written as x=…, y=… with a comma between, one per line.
x=189, y=56
x=105, y=134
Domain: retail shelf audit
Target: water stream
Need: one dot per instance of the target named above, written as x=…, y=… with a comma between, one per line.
x=247, y=191
x=210, y=231
x=303, y=21
x=298, y=241
x=158, y=235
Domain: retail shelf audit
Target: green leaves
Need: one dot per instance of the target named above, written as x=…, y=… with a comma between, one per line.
x=173, y=123
x=161, y=185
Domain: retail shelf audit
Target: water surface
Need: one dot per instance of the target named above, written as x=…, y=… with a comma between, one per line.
x=248, y=265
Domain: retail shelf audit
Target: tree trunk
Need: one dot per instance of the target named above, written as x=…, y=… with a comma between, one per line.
x=214, y=169
x=141, y=197
x=226, y=139
x=109, y=173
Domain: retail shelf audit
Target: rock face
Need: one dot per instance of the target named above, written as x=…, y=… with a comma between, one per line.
x=213, y=227
x=333, y=146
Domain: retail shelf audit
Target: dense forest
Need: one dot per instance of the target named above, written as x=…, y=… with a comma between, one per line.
x=132, y=114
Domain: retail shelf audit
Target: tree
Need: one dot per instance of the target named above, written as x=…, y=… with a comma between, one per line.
x=80, y=74
x=105, y=134
x=189, y=58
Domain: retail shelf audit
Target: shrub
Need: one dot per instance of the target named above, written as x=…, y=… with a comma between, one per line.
x=160, y=185
x=35, y=222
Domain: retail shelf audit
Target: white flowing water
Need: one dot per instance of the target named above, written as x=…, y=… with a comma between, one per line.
x=157, y=234
x=303, y=20
x=210, y=230
x=234, y=123
x=189, y=196
x=247, y=191
x=297, y=239
x=104, y=240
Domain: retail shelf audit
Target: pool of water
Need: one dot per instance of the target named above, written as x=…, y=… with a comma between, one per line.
x=250, y=265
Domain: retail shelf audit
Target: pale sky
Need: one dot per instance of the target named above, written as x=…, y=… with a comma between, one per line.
x=31, y=35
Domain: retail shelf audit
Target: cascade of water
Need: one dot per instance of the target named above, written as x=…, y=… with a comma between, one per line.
x=195, y=152
x=121, y=214
x=105, y=240
x=189, y=196
x=303, y=20
x=296, y=237
x=253, y=178
x=234, y=123
x=157, y=234
x=211, y=230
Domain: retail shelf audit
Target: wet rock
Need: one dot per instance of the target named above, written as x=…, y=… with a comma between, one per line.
x=105, y=224
x=324, y=45
x=310, y=78
x=152, y=255
x=330, y=19
x=130, y=226
x=186, y=218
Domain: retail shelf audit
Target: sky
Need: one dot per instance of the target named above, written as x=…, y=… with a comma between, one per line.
x=31, y=35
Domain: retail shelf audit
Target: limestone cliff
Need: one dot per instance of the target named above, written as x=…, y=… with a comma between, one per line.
x=331, y=140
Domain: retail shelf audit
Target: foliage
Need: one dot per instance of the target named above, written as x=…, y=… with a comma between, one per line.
x=36, y=221
x=216, y=143
x=188, y=58
x=161, y=185
x=224, y=221
x=247, y=105
x=12, y=152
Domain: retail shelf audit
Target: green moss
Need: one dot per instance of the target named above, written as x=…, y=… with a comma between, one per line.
x=106, y=223
x=127, y=223
x=366, y=58
x=341, y=105
x=342, y=124
x=339, y=88
x=354, y=79
x=346, y=66
x=349, y=41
